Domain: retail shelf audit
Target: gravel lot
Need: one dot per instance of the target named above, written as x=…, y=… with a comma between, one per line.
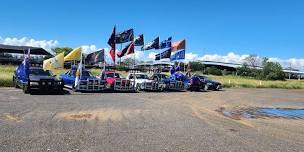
x=173, y=121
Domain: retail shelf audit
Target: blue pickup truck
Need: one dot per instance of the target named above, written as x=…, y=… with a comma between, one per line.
x=87, y=82
x=36, y=79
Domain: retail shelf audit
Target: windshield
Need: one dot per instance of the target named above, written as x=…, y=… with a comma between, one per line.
x=141, y=76
x=84, y=73
x=39, y=72
x=111, y=75
x=203, y=77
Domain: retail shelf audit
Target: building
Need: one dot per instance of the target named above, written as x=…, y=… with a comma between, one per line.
x=14, y=54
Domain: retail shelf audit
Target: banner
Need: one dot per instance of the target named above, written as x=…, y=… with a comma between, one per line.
x=124, y=36
x=139, y=40
x=152, y=45
x=74, y=55
x=180, y=45
x=56, y=62
x=166, y=43
x=111, y=42
x=178, y=55
x=129, y=49
x=95, y=57
x=163, y=55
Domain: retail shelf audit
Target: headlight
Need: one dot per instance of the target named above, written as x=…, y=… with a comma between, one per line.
x=58, y=82
x=34, y=83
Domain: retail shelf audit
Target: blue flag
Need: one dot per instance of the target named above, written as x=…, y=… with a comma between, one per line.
x=166, y=43
x=178, y=55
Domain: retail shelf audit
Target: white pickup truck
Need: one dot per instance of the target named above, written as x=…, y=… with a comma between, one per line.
x=142, y=82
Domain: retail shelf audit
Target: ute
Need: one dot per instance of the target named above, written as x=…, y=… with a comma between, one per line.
x=116, y=83
x=141, y=81
x=210, y=84
x=171, y=84
x=36, y=79
x=87, y=82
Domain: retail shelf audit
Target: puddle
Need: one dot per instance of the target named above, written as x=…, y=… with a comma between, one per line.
x=286, y=113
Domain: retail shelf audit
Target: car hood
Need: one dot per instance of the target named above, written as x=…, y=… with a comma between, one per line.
x=212, y=81
x=91, y=78
x=143, y=80
x=38, y=78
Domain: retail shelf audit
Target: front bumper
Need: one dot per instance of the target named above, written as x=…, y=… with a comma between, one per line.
x=123, y=86
x=91, y=85
x=45, y=85
x=152, y=86
x=175, y=85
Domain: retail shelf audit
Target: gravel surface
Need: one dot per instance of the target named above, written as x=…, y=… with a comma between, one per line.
x=171, y=121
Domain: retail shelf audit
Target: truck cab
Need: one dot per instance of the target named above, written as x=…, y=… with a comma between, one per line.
x=142, y=81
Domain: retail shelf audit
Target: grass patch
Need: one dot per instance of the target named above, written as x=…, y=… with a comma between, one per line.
x=6, y=75
x=243, y=82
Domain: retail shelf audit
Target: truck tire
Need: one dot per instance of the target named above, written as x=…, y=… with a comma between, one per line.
x=26, y=89
x=137, y=88
x=15, y=83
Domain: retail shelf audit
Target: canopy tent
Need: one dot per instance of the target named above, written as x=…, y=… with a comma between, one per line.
x=23, y=49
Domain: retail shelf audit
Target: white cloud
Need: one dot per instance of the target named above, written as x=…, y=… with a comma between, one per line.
x=191, y=57
x=46, y=44
x=237, y=58
x=229, y=58
x=87, y=49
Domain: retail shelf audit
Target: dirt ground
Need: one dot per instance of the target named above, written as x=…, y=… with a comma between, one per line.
x=169, y=121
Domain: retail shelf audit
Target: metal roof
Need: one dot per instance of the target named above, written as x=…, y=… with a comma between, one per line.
x=23, y=49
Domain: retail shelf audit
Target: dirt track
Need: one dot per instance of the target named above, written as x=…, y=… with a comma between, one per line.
x=181, y=121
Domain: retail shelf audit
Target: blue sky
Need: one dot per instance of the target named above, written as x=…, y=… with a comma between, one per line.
x=271, y=28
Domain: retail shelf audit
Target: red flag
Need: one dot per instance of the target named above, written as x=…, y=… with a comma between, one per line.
x=130, y=49
x=180, y=45
x=111, y=42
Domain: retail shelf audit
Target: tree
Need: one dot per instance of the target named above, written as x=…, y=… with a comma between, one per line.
x=128, y=61
x=252, y=60
x=66, y=50
x=271, y=71
x=196, y=66
x=214, y=71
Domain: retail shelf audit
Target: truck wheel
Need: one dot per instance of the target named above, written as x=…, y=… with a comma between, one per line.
x=15, y=83
x=206, y=88
x=26, y=89
x=137, y=87
x=74, y=89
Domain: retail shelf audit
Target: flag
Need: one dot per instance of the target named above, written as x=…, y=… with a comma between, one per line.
x=26, y=64
x=56, y=62
x=124, y=36
x=74, y=55
x=139, y=40
x=78, y=73
x=111, y=42
x=180, y=45
x=178, y=55
x=95, y=57
x=166, y=43
x=129, y=49
x=152, y=45
x=163, y=55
